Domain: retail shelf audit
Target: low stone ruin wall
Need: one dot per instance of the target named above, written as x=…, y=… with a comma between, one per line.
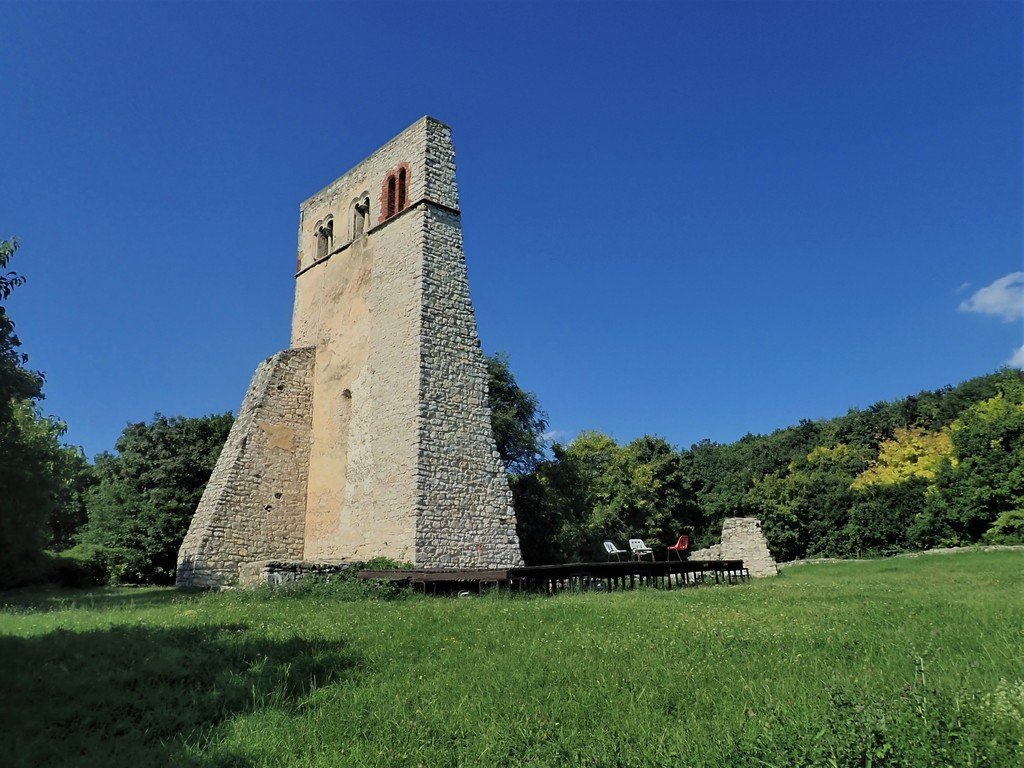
x=282, y=572
x=742, y=539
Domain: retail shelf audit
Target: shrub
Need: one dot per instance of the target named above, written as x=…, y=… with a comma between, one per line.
x=84, y=565
x=1007, y=529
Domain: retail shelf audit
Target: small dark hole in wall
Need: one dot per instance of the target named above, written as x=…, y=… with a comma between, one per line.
x=347, y=393
x=278, y=495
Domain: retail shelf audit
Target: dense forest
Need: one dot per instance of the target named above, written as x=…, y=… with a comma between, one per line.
x=940, y=468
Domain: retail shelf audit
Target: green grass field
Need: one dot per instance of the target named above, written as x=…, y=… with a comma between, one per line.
x=903, y=662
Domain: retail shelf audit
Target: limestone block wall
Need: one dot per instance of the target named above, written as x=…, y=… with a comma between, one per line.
x=465, y=517
x=254, y=505
x=742, y=539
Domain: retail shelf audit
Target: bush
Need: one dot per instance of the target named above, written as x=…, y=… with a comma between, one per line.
x=84, y=565
x=1007, y=529
x=344, y=585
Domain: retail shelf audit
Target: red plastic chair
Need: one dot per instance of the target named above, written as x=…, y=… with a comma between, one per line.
x=680, y=546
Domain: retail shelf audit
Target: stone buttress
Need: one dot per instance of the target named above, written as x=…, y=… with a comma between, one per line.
x=398, y=457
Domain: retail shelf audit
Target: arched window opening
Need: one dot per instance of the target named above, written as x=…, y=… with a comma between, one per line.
x=360, y=215
x=324, y=232
x=391, y=196
x=394, y=193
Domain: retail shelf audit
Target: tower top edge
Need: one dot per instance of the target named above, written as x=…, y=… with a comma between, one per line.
x=418, y=126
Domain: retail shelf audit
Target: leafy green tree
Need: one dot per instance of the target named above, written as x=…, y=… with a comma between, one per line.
x=146, y=494
x=1007, y=529
x=16, y=382
x=987, y=479
x=70, y=516
x=882, y=516
x=571, y=487
x=645, y=492
x=516, y=418
x=36, y=475
x=594, y=489
x=32, y=460
x=912, y=452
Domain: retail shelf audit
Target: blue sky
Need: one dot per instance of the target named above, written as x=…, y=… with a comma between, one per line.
x=688, y=219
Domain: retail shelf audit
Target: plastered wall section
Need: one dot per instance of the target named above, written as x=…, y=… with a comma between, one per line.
x=742, y=539
x=253, y=507
x=361, y=499
x=465, y=518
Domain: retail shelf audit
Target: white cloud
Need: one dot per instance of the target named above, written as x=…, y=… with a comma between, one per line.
x=1004, y=298
x=1017, y=358
x=554, y=436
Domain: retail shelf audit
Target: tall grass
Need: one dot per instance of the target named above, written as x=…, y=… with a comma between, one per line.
x=911, y=662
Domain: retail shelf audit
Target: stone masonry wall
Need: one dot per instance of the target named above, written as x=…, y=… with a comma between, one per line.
x=466, y=517
x=254, y=505
x=742, y=539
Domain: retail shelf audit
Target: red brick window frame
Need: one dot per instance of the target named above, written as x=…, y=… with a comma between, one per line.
x=394, y=192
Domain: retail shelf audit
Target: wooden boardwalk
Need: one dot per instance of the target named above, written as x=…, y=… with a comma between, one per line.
x=570, y=576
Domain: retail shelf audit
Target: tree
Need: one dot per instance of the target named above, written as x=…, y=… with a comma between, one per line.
x=516, y=418
x=911, y=453
x=16, y=382
x=27, y=442
x=146, y=494
x=987, y=478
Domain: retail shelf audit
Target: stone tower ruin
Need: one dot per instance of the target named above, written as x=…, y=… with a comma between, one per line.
x=371, y=435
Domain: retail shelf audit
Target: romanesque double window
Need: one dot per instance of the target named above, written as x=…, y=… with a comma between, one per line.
x=396, y=192
x=324, y=233
x=360, y=215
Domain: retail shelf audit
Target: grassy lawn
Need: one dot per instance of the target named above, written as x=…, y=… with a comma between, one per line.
x=906, y=662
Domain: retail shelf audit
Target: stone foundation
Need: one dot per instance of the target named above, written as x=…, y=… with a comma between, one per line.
x=282, y=572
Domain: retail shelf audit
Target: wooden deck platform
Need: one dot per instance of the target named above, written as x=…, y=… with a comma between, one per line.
x=570, y=576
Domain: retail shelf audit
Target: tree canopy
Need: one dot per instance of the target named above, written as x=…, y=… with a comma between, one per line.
x=939, y=468
x=516, y=418
x=40, y=479
x=146, y=494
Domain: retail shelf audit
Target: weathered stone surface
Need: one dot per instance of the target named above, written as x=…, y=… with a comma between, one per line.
x=742, y=539
x=282, y=572
x=254, y=506
x=396, y=450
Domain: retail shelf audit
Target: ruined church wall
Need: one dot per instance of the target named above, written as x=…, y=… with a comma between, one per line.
x=360, y=307
x=466, y=517
x=362, y=485
x=372, y=435
x=253, y=507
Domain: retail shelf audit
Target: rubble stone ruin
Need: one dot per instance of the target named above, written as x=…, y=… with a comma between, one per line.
x=371, y=435
x=742, y=539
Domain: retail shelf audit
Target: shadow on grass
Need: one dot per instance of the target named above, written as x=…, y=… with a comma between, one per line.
x=138, y=695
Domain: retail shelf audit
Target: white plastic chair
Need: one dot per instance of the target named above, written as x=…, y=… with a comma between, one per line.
x=611, y=549
x=640, y=549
